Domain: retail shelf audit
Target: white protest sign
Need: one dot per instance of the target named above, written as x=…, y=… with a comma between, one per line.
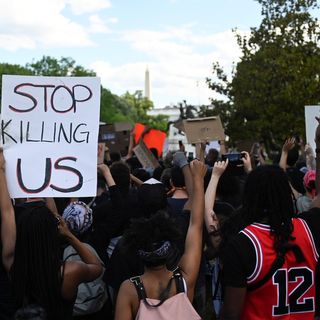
x=49, y=133
x=311, y=123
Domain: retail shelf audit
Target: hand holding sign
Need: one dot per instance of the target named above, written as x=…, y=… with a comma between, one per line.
x=2, y=161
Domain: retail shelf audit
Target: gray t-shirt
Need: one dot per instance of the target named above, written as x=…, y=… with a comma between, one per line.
x=303, y=203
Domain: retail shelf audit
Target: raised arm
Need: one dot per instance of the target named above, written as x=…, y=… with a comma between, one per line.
x=287, y=146
x=52, y=206
x=179, y=159
x=80, y=272
x=107, y=154
x=115, y=195
x=246, y=159
x=190, y=260
x=136, y=181
x=8, y=223
x=210, y=218
x=131, y=146
x=201, y=150
x=104, y=170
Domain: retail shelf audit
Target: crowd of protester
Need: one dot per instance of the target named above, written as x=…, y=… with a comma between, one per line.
x=215, y=237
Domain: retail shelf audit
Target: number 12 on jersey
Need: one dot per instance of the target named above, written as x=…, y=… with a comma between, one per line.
x=292, y=291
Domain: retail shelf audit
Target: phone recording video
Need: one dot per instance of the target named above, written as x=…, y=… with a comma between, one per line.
x=235, y=166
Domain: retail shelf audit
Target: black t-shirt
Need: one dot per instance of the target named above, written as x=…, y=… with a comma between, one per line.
x=110, y=218
x=175, y=206
x=296, y=179
x=7, y=306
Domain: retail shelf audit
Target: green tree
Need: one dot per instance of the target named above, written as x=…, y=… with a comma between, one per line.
x=278, y=74
x=15, y=69
x=113, y=108
x=159, y=122
x=139, y=106
x=65, y=66
x=138, y=111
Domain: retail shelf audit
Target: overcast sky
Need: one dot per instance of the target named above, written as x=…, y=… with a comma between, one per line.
x=177, y=39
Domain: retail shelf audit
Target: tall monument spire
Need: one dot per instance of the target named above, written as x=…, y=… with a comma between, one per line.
x=147, y=84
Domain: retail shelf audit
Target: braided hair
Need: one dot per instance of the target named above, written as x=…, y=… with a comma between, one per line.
x=36, y=271
x=268, y=199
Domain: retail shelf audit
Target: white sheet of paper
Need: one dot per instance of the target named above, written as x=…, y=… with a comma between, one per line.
x=49, y=133
x=311, y=123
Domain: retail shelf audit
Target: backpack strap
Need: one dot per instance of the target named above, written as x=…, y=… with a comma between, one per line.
x=142, y=293
x=139, y=287
x=69, y=256
x=178, y=280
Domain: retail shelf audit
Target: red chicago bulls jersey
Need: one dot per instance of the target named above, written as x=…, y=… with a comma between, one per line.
x=290, y=292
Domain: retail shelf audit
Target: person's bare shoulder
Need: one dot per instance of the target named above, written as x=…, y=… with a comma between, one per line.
x=128, y=288
x=127, y=301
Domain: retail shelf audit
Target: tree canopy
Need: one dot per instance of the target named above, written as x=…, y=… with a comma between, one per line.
x=65, y=66
x=128, y=107
x=278, y=74
x=15, y=69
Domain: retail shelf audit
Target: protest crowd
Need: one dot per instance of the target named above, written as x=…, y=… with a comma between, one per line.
x=226, y=235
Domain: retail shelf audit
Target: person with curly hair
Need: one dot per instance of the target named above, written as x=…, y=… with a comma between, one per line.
x=166, y=288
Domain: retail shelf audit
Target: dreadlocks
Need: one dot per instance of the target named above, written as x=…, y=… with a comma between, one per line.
x=36, y=271
x=268, y=199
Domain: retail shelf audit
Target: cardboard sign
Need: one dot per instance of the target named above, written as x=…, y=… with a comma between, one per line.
x=145, y=156
x=245, y=145
x=123, y=126
x=179, y=125
x=106, y=133
x=152, y=139
x=49, y=132
x=311, y=112
x=116, y=136
x=204, y=129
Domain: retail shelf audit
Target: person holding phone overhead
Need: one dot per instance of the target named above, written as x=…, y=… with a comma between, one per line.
x=270, y=265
